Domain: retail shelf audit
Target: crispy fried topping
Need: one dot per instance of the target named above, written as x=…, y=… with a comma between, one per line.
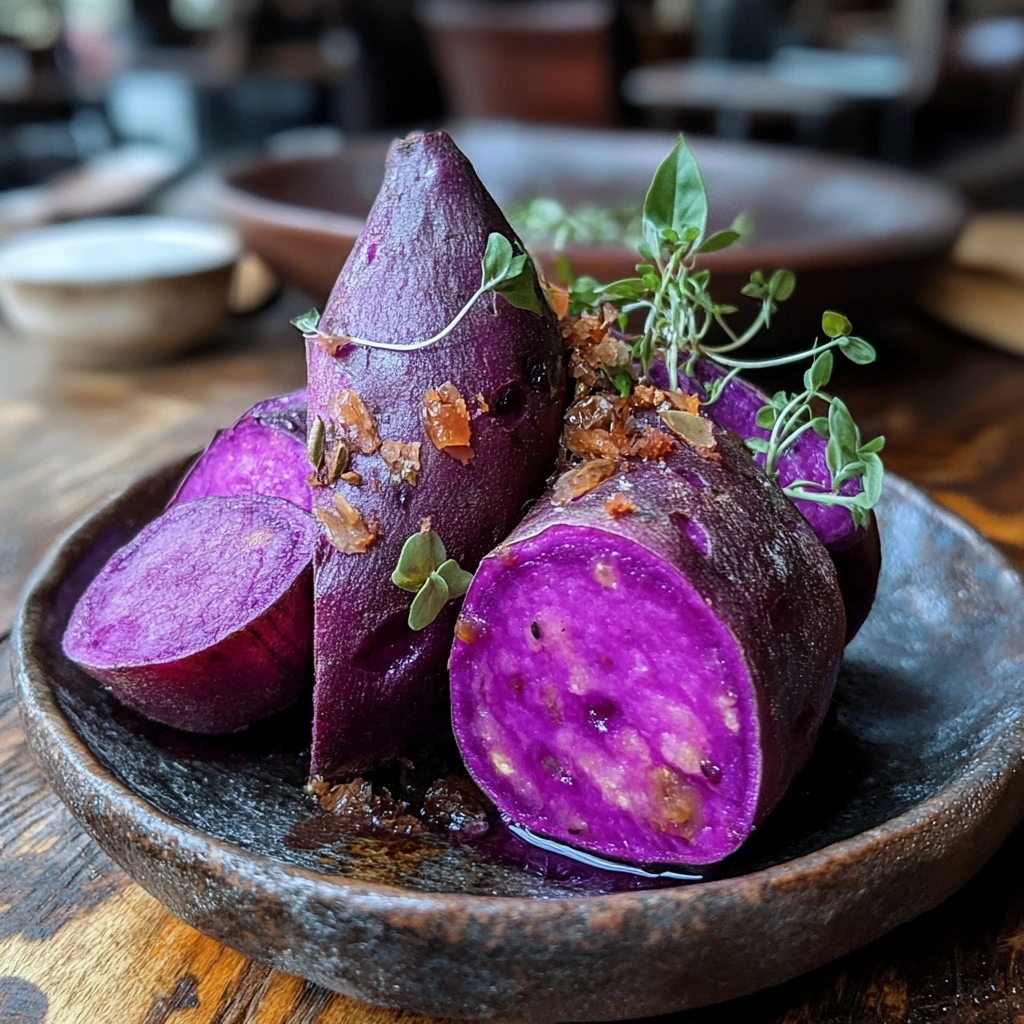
x=481, y=403
x=346, y=529
x=332, y=344
x=695, y=430
x=558, y=298
x=354, y=422
x=582, y=480
x=619, y=506
x=447, y=421
x=366, y=809
x=352, y=478
x=403, y=460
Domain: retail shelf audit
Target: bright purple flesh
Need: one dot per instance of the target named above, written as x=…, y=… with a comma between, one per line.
x=204, y=620
x=856, y=550
x=646, y=687
x=263, y=453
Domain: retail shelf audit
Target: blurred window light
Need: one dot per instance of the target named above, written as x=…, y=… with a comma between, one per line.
x=674, y=15
x=995, y=41
x=201, y=15
x=15, y=70
x=97, y=14
x=155, y=106
x=35, y=24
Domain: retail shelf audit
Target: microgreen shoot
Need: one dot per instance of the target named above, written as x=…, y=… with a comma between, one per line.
x=503, y=272
x=672, y=292
x=424, y=569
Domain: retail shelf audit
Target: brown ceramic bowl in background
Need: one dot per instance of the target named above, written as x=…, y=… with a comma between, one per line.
x=917, y=778
x=860, y=237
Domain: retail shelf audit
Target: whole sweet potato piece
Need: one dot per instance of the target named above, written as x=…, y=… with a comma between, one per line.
x=204, y=620
x=263, y=453
x=462, y=433
x=641, y=669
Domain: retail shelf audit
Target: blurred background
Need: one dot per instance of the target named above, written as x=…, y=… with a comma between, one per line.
x=272, y=115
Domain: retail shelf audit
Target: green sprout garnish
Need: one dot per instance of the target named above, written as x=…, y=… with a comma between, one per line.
x=544, y=221
x=503, y=272
x=424, y=569
x=679, y=313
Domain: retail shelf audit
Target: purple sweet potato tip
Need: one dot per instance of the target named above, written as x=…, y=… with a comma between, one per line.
x=263, y=453
x=380, y=686
x=856, y=550
x=204, y=620
x=646, y=687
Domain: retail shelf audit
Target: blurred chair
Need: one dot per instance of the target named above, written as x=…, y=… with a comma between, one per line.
x=546, y=61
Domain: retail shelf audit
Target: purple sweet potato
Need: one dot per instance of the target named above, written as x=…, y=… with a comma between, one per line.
x=855, y=550
x=463, y=432
x=263, y=453
x=204, y=620
x=642, y=671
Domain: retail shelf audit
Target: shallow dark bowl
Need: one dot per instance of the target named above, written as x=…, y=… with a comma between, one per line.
x=859, y=236
x=916, y=781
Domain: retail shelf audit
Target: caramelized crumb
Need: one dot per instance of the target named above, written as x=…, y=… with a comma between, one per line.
x=447, y=421
x=354, y=422
x=456, y=805
x=346, y=529
x=403, y=461
x=618, y=506
x=680, y=400
x=582, y=480
x=695, y=430
x=352, y=478
x=332, y=344
x=558, y=298
x=482, y=405
x=366, y=809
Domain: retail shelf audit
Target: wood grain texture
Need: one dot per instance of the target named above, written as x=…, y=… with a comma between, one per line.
x=81, y=943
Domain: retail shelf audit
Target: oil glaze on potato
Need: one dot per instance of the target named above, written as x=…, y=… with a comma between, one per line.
x=855, y=550
x=415, y=451
x=204, y=620
x=641, y=672
x=263, y=453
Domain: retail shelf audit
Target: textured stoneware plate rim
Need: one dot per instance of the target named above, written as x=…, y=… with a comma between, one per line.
x=978, y=792
x=936, y=234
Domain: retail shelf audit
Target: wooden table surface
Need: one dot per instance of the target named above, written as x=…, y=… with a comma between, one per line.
x=81, y=944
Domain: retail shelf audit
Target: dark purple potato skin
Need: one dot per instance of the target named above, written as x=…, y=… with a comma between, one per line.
x=856, y=550
x=203, y=621
x=757, y=567
x=380, y=686
x=263, y=453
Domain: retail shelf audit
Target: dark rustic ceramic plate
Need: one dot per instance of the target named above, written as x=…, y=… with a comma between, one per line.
x=859, y=236
x=916, y=781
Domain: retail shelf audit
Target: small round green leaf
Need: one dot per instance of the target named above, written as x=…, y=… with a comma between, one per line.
x=457, y=579
x=819, y=373
x=857, y=350
x=757, y=444
x=497, y=259
x=719, y=240
x=781, y=285
x=766, y=417
x=428, y=602
x=874, y=445
x=421, y=554
x=835, y=325
x=308, y=322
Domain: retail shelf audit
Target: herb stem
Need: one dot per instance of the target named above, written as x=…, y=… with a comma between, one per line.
x=765, y=364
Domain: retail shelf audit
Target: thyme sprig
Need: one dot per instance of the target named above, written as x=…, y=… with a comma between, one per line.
x=673, y=293
x=503, y=272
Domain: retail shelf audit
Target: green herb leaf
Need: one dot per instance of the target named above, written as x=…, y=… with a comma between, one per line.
x=428, y=602
x=835, y=325
x=820, y=426
x=874, y=473
x=857, y=350
x=779, y=400
x=757, y=444
x=623, y=383
x=497, y=260
x=676, y=199
x=522, y=289
x=875, y=445
x=766, y=417
x=843, y=430
x=719, y=240
x=308, y=322
x=743, y=223
x=819, y=373
x=421, y=554
x=781, y=285
x=457, y=579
